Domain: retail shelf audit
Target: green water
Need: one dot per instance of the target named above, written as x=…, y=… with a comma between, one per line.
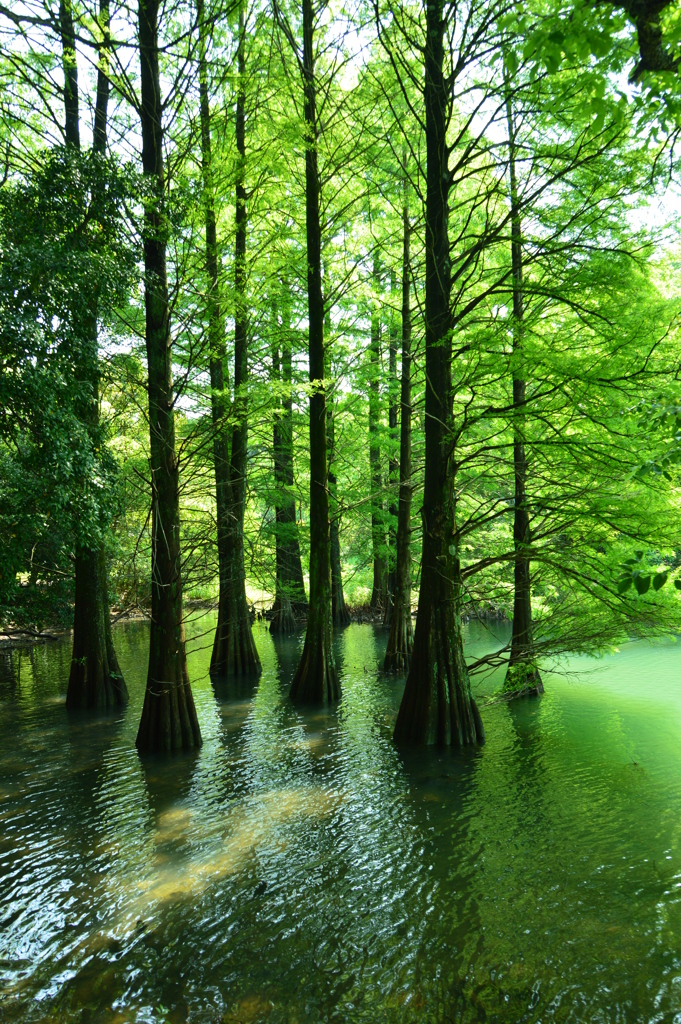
x=300, y=869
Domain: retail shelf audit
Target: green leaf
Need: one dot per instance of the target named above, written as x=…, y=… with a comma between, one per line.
x=642, y=584
x=677, y=584
x=659, y=580
x=624, y=584
x=511, y=61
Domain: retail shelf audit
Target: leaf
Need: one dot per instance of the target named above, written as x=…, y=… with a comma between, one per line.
x=624, y=584
x=511, y=61
x=642, y=584
x=677, y=584
x=659, y=580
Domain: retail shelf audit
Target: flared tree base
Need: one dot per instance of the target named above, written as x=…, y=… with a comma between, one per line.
x=95, y=679
x=437, y=706
x=169, y=722
x=400, y=642
x=234, y=650
x=316, y=679
x=92, y=685
x=523, y=680
x=340, y=616
x=283, y=621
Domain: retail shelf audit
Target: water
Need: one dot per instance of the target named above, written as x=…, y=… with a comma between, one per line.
x=300, y=869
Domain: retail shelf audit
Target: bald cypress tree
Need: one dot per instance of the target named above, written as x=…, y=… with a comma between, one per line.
x=437, y=705
x=169, y=721
x=95, y=678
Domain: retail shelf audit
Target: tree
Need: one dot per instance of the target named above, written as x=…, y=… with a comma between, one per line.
x=437, y=705
x=234, y=651
x=169, y=721
x=400, y=637
x=289, y=600
x=523, y=674
x=315, y=680
x=95, y=679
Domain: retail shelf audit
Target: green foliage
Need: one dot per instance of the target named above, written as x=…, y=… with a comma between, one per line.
x=65, y=265
x=601, y=424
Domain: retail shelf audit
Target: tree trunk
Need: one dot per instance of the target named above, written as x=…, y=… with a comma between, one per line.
x=393, y=467
x=70, y=70
x=283, y=620
x=169, y=720
x=103, y=85
x=95, y=679
x=234, y=651
x=437, y=706
x=339, y=613
x=316, y=680
x=400, y=638
x=289, y=599
x=522, y=676
x=378, y=590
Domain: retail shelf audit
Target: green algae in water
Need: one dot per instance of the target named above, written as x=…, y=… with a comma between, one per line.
x=300, y=868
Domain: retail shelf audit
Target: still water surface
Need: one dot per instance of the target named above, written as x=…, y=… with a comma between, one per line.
x=300, y=869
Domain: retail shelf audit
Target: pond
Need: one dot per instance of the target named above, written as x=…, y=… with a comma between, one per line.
x=299, y=868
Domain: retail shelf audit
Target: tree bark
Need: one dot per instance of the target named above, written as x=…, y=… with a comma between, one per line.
x=289, y=599
x=339, y=613
x=378, y=590
x=95, y=679
x=316, y=680
x=400, y=637
x=234, y=651
x=169, y=721
x=393, y=465
x=522, y=677
x=103, y=85
x=437, y=705
x=70, y=70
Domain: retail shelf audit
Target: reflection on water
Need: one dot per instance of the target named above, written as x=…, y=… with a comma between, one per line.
x=299, y=868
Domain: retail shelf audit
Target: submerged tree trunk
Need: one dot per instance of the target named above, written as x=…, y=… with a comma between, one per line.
x=283, y=619
x=95, y=679
x=400, y=637
x=216, y=330
x=393, y=467
x=437, y=705
x=339, y=613
x=316, y=680
x=234, y=651
x=378, y=591
x=289, y=600
x=522, y=677
x=169, y=720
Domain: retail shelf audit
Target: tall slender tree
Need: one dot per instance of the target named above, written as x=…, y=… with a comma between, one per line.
x=95, y=678
x=339, y=612
x=400, y=637
x=378, y=549
x=289, y=599
x=316, y=679
x=393, y=461
x=234, y=650
x=437, y=705
x=169, y=721
x=523, y=675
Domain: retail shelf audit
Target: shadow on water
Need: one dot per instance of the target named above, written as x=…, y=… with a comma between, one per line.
x=229, y=688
